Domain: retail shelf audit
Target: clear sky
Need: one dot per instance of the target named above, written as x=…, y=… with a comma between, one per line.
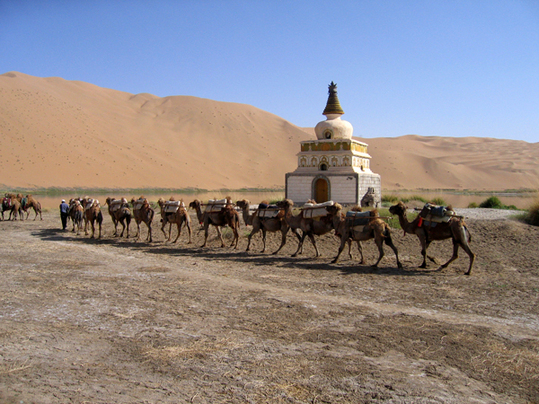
x=432, y=67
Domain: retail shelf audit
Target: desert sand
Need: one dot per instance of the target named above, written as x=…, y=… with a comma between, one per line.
x=58, y=133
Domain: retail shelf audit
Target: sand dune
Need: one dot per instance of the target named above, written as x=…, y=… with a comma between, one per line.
x=58, y=133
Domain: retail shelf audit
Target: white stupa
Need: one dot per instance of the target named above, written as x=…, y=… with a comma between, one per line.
x=335, y=166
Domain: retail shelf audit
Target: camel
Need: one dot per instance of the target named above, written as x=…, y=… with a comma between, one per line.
x=143, y=212
x=375, y=229
x=455, y=229
x=6, y=205
x=227, y=216
x=76, y=213
x=92, y=215
x=119, y=212
x=12, y=203
x=247, y=216
x=31, y=202
x=273, y=224
x=180, y=216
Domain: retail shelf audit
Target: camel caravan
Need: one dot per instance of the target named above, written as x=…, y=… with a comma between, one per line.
x=313, y=220
x=18, y=204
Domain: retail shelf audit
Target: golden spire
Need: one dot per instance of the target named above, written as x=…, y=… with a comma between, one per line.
x=333, y=106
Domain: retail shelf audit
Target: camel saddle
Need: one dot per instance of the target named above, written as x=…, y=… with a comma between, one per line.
x=139, y=203
x=311, y=210
x=360, y=219
x=215, y=205
x=266, y=211
x=117, y=204
x=91, y=202
x=436, y=213
x=173, y=206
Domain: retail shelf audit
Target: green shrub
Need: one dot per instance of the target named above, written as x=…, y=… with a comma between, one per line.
x=473, y=205
x=533, y=214
x=390, y=198
x=415, y=198
x=492, y=203
x=438, y=201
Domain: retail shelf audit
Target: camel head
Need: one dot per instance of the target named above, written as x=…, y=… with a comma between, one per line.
x=334, y=209
x=195, y=204
x=398, y=209
x=243, y=204
x=161, y=202
x=285, y=203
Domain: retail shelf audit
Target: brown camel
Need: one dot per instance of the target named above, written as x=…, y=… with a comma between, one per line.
x=76, y=213
x=92, y=215
x=174, y=214
x=119, y=213
x=455, y=229
x=32, y=203
x=309, y=227
x=246, y=212
x=12, y=203
x=375, y=228
x=227, y=216
x=6, y=205
x=143, y=212
x=273, y=224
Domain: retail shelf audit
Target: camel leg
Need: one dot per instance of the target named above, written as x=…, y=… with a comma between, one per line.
x=424, y=246
x=188, y=224
x=163, y=227
x=454, y=256
x=206, y=231
x=389, y=242
x=249, y=239
x=313, y=241
x=220, y=235
x=300, y=245
x=137, y=236
x=236, y=238
x=128, y=222
x=263, y=239
x=149, y=232
x=380, y=245
x=179, y=226
x=283, y=240
x=341, y=248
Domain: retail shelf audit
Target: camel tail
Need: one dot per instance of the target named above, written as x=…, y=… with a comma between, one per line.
x=100, y=217
x=467, y=233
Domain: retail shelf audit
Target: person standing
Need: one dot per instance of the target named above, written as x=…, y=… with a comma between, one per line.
x=64, y=208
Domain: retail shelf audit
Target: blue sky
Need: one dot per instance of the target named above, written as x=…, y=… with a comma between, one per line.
x=443, y=68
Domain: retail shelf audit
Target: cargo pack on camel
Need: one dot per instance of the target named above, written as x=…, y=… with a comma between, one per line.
x=431, y=214
x=316, y=210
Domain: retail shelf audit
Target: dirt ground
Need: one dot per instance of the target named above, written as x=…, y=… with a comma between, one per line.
x=119, y=321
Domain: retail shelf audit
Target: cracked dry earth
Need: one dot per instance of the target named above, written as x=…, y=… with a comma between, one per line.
x=119, y=321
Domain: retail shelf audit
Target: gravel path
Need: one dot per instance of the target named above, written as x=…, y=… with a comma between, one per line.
x=487, y=214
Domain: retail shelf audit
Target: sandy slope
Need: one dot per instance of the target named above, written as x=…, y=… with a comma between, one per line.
x=58, y=133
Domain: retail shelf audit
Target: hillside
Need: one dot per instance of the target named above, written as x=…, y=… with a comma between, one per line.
x=58, y=133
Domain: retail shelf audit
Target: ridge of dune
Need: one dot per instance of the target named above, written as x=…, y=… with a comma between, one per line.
x=59, y=133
